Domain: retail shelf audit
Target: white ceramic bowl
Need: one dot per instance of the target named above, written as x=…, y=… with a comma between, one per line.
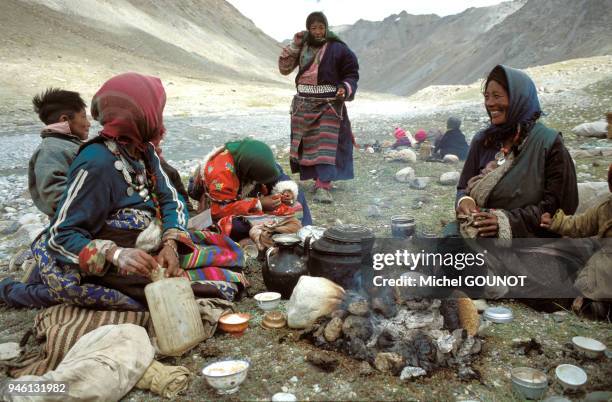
x=590, y=347
x=227, y=375
x=570, y=376
x=268, y=301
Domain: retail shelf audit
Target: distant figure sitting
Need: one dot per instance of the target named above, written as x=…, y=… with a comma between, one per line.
x=420, y=136
x=67, y=126
x=453, y=141
x=401, y=140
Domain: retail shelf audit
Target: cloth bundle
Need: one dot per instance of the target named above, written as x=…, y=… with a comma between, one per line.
x=104, y=364
x=167, y=381
x=262, y=234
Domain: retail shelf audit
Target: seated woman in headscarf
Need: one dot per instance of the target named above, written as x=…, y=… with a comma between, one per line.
x=242, y=179
x=120, y=208
x=522, y=167
x=516, y=170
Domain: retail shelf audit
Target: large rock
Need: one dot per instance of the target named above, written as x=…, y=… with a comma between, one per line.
x=450, y=158
x=9, y=350
x=419, y=183
x=312, y=298
x=405, y=175
x=591, y=194
x=598, y=129
x=449, y=178
x=403, y=155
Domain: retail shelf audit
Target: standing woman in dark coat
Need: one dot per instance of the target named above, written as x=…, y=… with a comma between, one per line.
x=321, y=135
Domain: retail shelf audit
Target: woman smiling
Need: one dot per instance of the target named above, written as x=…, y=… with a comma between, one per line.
x=517, y=168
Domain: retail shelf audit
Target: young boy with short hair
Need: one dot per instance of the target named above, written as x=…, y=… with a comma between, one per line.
x=67, y=126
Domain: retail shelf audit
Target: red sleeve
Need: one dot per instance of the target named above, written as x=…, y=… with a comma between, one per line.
x=223, y=185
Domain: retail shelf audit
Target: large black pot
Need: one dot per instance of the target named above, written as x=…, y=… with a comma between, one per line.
x=338, y=255
x=283, y=265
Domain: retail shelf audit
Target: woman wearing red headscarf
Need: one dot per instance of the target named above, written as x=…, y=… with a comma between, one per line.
x=120, y=207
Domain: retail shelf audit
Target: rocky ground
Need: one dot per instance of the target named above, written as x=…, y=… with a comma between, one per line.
x=572, y=92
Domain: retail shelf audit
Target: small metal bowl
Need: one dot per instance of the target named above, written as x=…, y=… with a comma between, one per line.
x=274, y=320
x=235, y=323
x=529, y=382
x=268, y=301
x=590, y=347
x=498, y=315
x=570, y=376
x=226, y=376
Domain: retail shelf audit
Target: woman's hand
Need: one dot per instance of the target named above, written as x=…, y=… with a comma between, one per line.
x=270, y=202
x=467, y=206
x=133, y=261
x=169, y=259
x=341, y=93
x=486, y=223
x=545, y=220
x=298, y=38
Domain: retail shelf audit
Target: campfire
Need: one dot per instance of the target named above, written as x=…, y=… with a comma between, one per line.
x=402, y=335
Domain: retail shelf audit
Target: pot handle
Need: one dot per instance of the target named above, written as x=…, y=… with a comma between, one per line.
x=307, y=246
x=269, y=253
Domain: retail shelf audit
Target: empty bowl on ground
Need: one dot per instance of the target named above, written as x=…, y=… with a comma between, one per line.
x=226, y=376
x=590, y=347
x=570, y=376
x=268, y=301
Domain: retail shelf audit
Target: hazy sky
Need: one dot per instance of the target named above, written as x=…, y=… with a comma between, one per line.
x=282, y=18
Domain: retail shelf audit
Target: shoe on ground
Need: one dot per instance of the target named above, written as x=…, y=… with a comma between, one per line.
x=323, y=196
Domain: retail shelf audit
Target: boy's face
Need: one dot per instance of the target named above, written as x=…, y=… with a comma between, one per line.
x=79, y=124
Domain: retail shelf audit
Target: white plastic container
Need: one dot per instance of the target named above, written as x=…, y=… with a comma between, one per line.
x=175, y=314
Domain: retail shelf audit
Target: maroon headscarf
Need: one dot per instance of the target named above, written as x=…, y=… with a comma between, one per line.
x=130, y=107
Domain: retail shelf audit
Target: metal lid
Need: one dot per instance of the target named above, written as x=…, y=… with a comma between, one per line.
x=498, y=314
x=286, y=239
x=348, y=233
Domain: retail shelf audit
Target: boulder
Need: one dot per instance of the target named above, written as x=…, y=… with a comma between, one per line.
x=598, y=129
x=419, y=183
x=449, y=178
x=450, y=158
x=403, y=155
x=409, y=372
x=591, y=194
x=405, y=175
x=312, y=298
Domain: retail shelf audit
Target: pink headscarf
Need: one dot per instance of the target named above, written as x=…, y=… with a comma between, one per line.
x=420, y=135
x=399, y=133
x=130, y=107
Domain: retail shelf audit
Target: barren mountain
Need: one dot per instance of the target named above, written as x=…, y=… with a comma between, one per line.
x=404, y=53
x=82, y=43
